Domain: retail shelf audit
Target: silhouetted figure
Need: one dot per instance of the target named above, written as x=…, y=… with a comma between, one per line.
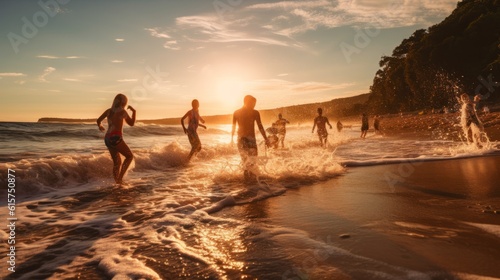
x=281, y=125
x=114, y=135
x=320, y=121
x=245, y=118
x=364, y=125
x=376, y=123
x=339, y=126
x=194, y=119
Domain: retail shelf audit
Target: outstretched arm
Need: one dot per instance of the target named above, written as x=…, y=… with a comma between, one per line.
x=234, y=126
x=182, y=121
x=260, y=126
x=130, y=120
x=328, y=122
x=101, y=118
x=314, y=126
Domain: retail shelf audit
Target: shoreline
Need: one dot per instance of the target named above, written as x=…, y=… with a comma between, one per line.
x=439, y=219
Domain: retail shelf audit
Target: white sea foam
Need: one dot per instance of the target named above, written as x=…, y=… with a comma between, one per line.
x=167, y=206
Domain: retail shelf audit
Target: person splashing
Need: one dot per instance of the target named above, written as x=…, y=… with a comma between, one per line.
x=471, y=125
x=113, y=139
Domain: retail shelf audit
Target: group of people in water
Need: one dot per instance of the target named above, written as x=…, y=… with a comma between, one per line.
x=244, y=118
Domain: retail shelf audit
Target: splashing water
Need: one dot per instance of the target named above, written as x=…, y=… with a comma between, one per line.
x=472, y=128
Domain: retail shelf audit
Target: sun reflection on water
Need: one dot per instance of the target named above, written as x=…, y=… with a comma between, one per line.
x=221, y=244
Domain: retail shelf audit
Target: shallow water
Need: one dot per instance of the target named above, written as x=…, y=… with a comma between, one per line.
x=73, y=221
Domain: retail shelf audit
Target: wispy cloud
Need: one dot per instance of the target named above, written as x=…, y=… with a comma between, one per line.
x=157, y=33
x=116, y=61
x=12, y=74
x=212, y=29
x=119, y=39
x=46, y=72
x=268, y=85
x=58, y=57
x=294, y=17
x=127, y=80
x=281, y=23
x=72, y=80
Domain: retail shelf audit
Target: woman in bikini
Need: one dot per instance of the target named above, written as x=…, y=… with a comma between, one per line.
x=114, y=135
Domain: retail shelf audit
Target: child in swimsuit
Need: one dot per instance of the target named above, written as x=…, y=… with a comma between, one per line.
x=321, y=121
x=193, y=123
x=114, y=136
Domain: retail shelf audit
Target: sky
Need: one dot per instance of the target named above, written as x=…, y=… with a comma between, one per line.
x=69, y=58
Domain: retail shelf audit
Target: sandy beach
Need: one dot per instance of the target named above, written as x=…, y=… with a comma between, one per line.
x=397, y=205
x=413, y=220
x=432, y=220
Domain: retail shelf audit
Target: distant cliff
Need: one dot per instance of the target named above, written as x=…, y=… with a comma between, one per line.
x=334, y=109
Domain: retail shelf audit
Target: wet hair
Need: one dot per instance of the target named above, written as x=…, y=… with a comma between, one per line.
x=320, y=111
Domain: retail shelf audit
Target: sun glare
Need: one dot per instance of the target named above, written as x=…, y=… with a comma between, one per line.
x=230, y=92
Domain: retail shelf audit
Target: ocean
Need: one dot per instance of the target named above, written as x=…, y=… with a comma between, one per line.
x=73, y=222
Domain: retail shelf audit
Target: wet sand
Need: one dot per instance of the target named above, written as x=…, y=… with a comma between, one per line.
x=431, y=220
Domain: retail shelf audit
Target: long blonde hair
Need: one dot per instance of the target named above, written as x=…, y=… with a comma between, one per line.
x=117, y=103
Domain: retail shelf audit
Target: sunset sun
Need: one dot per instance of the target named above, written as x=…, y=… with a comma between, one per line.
x=229, y=91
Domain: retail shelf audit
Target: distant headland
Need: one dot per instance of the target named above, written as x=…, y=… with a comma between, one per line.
x=334, y=109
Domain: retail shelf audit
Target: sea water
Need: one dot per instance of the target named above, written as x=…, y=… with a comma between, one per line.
x=74, y=222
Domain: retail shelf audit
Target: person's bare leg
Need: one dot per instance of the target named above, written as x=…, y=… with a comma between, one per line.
x=125, y=151
x=117, y=162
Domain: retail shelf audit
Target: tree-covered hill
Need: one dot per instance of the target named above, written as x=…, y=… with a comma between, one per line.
x=427, y=70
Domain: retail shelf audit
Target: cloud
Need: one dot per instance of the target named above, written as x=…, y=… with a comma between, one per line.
x=290, y=18
x=46, y=72
x=212, y=29
x=12, y=74
x=116, y=61
x=318, y=86
x=281, y=85
x=281, y=23
x=157, y=33
x=58, y=57
x=127, y=80
x=119, y=39
x=72, y=80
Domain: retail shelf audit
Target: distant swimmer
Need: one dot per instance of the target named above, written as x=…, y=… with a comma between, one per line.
x=194, y=119
x=339, y=126
x=245, y=118
x=321, y=122
x=364, y=125
x=281, y=125
x=376, y=123
x=114, y=135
